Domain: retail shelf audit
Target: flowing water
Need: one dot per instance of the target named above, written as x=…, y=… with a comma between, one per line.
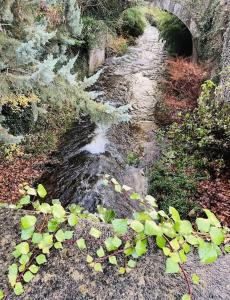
x=124, y=151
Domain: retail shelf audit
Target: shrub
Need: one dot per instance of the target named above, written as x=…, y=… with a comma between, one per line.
x=118, y=46
x=174, y=185
x=185, y=79
x=206, y=131
x=133, y=22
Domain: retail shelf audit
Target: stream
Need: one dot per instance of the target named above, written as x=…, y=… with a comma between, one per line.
x=124, y=151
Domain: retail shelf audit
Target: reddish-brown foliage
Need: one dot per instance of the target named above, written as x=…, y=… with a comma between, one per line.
x=215, y=195
x=15, y=172
x=183, y=85
x=185, y=79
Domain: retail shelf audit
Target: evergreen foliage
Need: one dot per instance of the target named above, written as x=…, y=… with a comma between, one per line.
x=65, y=71
x=73, y=18
x=45, y=73
x=37, y=37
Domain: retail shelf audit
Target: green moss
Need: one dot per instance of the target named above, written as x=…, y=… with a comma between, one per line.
x=133, y=22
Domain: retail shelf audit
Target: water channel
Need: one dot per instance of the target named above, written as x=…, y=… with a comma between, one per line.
x=90, y=150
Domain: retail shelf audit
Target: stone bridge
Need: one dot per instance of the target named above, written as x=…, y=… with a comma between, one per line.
x=191, y=13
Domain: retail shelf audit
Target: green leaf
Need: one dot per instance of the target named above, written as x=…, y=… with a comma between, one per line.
x=58, y=245
x=186, y=297
x=227, y=248
x=137, y=226
x=68, y=235
x=24, y=201
x=120, y=226
x=13, y=269
x=18, y=289
x=151, y=200
x=58, y=211
x=37, y=237
x=31, y=191
x=203, y=225
x=21, y=268
x=72, y=220
x=166, y=251
x=112, y=243
x=186, y=248
x=45, y=208
x=41, y=191
x=161, y=242
x=183, y=227
x=118, y=188
x=41, y=259
x=172, y=266
x=53, y=225
x=192, y=240
x=213, y=219
x=142, y=216
x=46, y=242
x=121, y=271
x=106, y=215
x=195, y=279
x=168, y=229
x=100, y=252
x=113, y=260
x=140, y=247
x=151, y=228
x=16, y=253
x=116, y=242
x=175, y=257
x=132, y=263
x=28, y=276
x=23, y=248
x=183, y=257
x=207, y=253
x=34, y=269
x=174, y=244
x=60, y=235
x=24, y=259
x=26, y=234
x=174, y=213
x=1, y=294
x=28, y=221
x=217, y=235
x=89, y=259
x=98, y=267
x=135, y=196
x=95, y=232
x=81, y=244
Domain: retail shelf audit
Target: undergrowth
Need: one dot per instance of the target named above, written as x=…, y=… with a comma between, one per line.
x=198, y=148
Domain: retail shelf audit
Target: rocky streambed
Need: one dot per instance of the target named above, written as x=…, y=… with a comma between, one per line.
x=124, y=151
